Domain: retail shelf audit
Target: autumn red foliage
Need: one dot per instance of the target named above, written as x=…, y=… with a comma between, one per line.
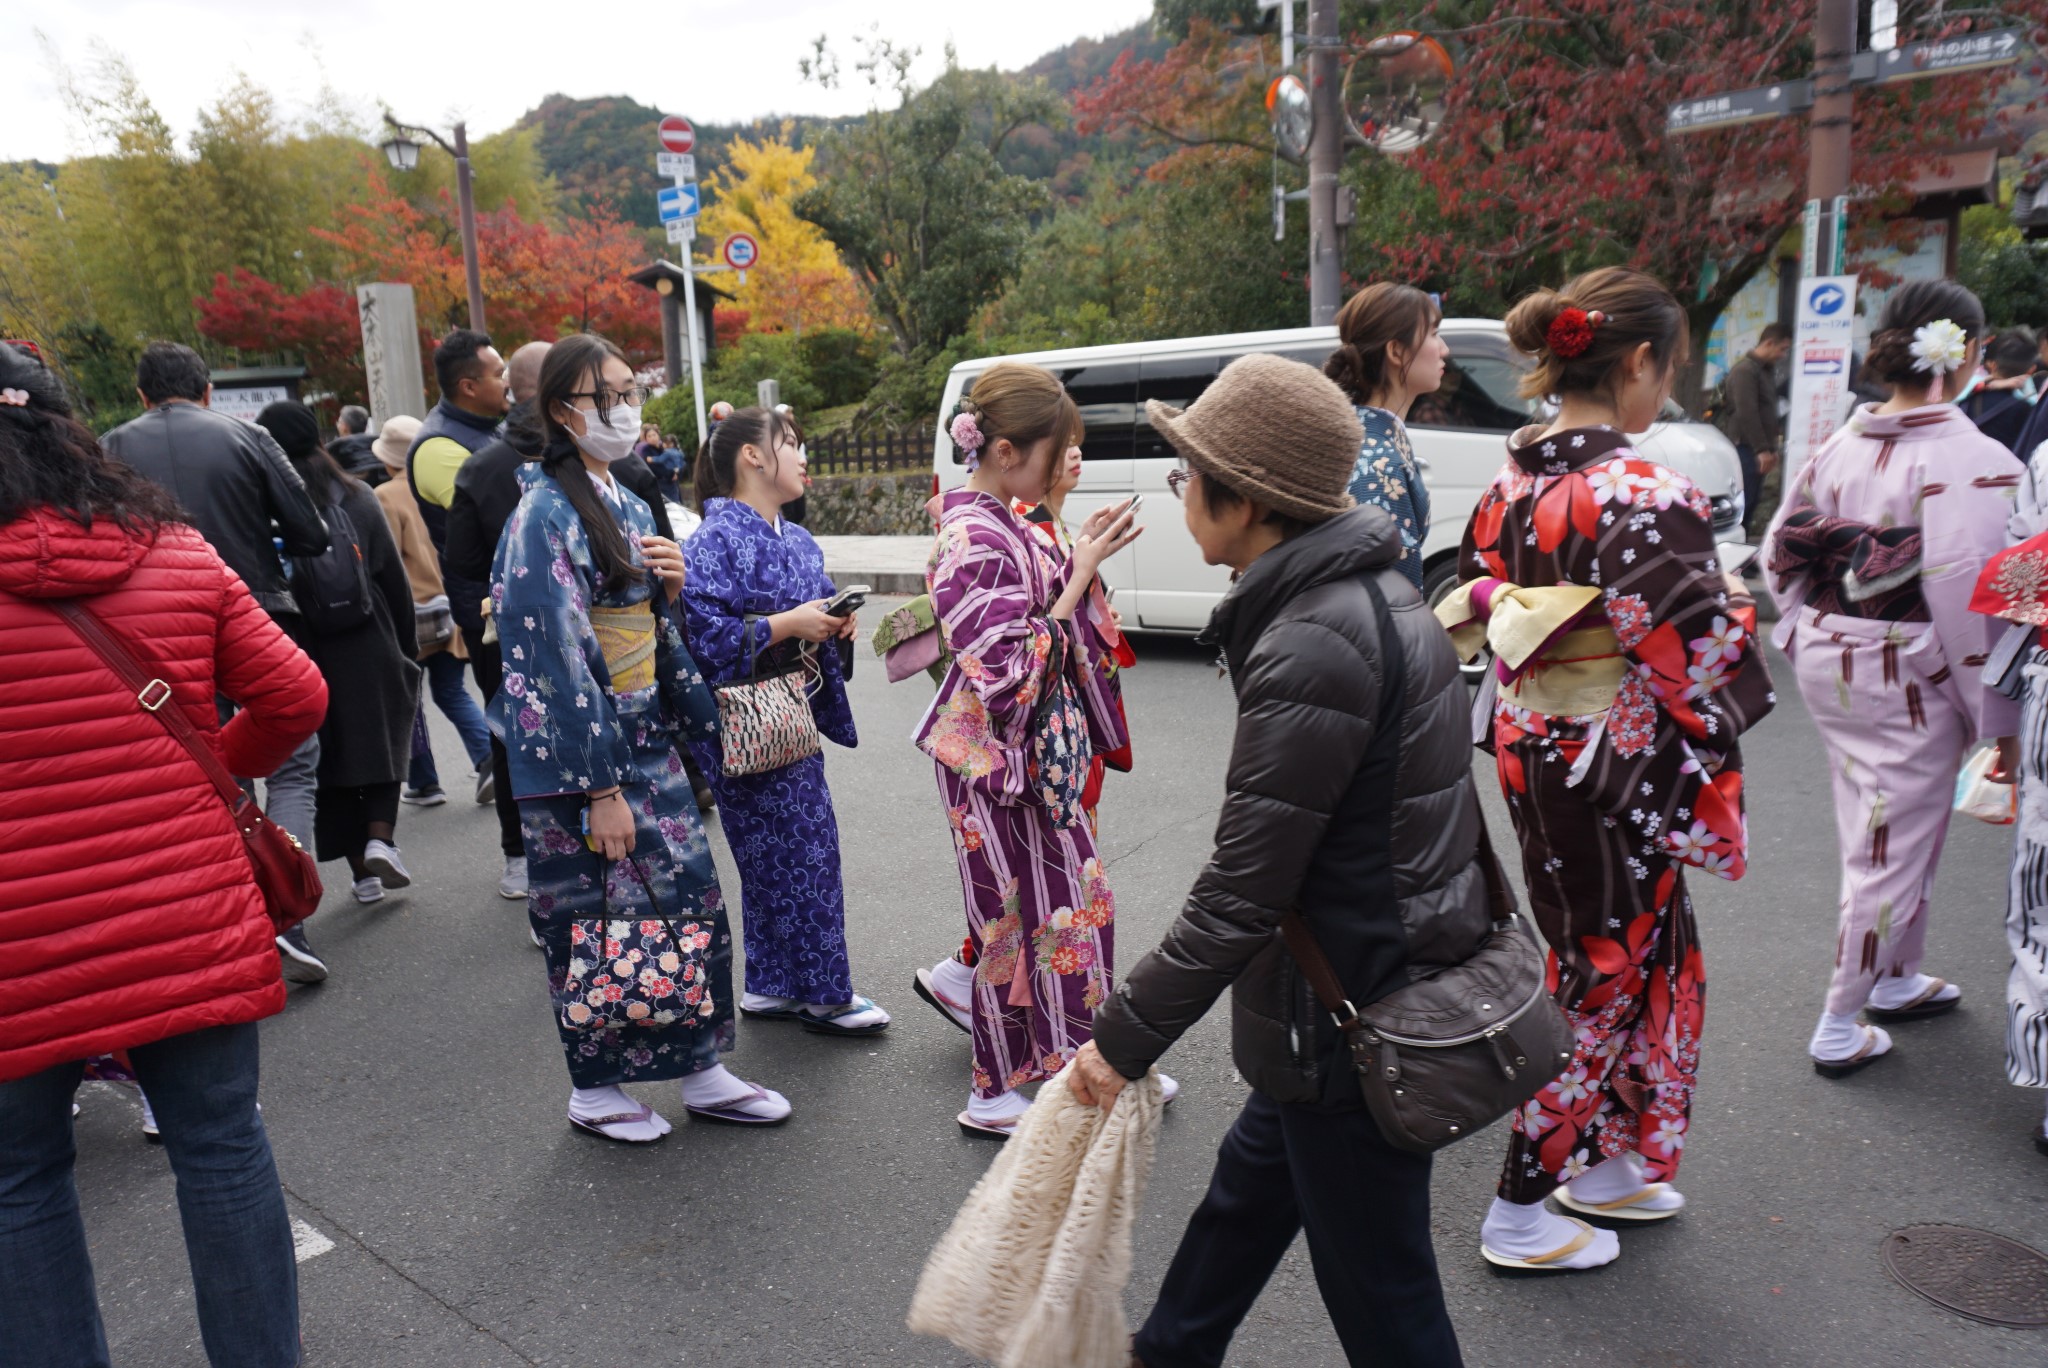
x=319, y=326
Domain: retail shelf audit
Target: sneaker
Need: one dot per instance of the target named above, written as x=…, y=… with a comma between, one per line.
x=149, y=1130
x=431, y=795
x=300, y=964
x=486, y=783
x=512, y=883
x=368, y=889
x=382, y=859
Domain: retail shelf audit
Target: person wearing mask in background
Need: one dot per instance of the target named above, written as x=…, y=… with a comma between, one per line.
x=353, y=449
x=147, y=934
x=365, y=652
x=1873, y=561
x=2002, y=398
x=1388, y=353
x=1754, y=423
x=602, y=693
x=1350, y=799
x=441, y=643
x=237, y=486
x=1616, y=741
x=753, y=603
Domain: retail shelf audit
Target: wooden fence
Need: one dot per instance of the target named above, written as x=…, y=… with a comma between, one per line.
x=880, y=453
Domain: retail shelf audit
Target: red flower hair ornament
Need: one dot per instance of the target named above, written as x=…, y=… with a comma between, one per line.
x=1570, y=334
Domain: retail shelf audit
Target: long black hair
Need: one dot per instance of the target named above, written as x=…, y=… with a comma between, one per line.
x=574, y=365
x=48, y=459
x=718, y=459
x=1911, y=307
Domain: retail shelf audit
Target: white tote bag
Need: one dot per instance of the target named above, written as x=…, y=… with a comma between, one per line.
x=1032, y=1272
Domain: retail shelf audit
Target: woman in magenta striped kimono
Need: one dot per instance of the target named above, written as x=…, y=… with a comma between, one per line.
x=1020, y=712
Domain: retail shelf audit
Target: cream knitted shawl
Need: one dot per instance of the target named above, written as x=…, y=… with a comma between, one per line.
x=1031, y=1274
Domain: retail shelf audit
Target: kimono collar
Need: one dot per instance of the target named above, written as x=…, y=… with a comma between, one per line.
x=607, y=487
x=1929, y=422
x=1565, y=451
x=734, y=508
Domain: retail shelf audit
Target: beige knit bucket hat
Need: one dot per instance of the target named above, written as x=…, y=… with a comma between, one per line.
x=1276, y=431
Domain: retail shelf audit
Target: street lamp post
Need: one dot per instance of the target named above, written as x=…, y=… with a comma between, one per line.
x=404, y=154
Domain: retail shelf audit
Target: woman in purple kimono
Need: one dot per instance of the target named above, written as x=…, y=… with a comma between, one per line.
x=753, y=603
x=1019, y=714
x=1873, y=559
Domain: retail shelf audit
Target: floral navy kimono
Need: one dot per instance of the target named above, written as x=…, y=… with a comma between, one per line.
x=598, y=690
x=783, y=833
x=1388, y=475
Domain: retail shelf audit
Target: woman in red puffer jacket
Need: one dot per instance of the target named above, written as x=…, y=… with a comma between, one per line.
x=129, y=917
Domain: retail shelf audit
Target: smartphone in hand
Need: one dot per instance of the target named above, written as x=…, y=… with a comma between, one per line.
x=848, y=600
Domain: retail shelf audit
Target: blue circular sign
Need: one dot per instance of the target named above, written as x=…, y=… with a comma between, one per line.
x=1827, y=299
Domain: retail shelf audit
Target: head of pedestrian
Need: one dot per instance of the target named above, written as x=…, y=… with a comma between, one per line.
x=754, y=455
x=1928, y=341
x=522, y=372
x=2013, y=353
x=1774, y=344
x=297, y=432
x=50, y=460
x=1388, y=349
x=1267, y=453
x=352, y=421
x=1014, y=431
x=1608, y=346
x=589, y=410
x=472, y=374
x=169, y=373
x=394, y=440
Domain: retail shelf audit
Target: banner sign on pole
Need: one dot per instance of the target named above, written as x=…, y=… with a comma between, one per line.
x=1944, y=56
x=1823, y=341
x=1738, y=107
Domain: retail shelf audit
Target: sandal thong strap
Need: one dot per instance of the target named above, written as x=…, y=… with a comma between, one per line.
x=844, y=1009
x=1566, y=1250
x=623, y=1118
x=1640, y=1195
x=1934, y=990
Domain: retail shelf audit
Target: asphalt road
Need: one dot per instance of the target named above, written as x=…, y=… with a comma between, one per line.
x=416, y=1103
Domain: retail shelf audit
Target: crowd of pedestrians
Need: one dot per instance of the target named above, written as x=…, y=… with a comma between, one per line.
x=303, y=599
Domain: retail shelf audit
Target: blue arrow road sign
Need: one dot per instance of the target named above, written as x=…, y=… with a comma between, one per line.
x=677, y=202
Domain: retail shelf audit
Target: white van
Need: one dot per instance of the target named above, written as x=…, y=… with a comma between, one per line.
x=1460, y=434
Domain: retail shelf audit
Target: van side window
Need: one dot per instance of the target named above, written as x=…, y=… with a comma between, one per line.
x=1478, y=392
x=1107, y=395
x=1175, y=380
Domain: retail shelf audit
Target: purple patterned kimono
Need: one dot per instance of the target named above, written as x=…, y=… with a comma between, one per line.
x=1038, y=903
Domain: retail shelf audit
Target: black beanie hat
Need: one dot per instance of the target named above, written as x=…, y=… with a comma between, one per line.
x=293, y=425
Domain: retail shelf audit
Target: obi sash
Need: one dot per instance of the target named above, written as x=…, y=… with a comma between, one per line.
x=1554, y=652
x=1851, y=568
x=626, y=636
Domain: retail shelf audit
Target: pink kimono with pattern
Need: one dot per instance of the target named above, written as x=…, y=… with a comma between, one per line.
x=1896, y=690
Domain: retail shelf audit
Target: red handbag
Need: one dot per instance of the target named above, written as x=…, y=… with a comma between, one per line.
x=285, y=874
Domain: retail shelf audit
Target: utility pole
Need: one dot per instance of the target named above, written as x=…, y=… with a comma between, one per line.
x=1326, y=156
x=1827, y=174
x=466, y=201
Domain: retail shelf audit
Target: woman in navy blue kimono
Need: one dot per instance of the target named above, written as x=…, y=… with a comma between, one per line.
x=754, y=600
x=598, y=692
x=1388, y=356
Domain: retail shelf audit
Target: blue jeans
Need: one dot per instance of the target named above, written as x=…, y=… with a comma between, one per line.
x=444, y=681
x=202, y=1086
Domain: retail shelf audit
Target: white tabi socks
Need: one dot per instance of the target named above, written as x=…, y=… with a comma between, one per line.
x=1529, y=1232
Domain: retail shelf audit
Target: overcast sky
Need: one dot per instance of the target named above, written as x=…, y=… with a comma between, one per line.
x=713, y=60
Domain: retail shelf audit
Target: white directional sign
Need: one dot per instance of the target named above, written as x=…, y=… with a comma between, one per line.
x=1823, y=343
x=1943, y=56
x=677, y=166
x=682, y=230
x=677, y=202
x=1738, y=107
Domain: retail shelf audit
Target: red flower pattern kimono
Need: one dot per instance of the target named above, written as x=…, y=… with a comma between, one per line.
x=1612, y=807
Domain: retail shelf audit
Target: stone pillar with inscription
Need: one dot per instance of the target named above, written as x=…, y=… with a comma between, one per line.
x=391, y=352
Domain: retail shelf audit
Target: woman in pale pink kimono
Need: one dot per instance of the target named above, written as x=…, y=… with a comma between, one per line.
x=1872, y=561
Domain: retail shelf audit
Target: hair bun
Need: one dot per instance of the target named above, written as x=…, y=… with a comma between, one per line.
x=1528, y=322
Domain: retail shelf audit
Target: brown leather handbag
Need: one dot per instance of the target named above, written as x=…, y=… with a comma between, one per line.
x=285, y=874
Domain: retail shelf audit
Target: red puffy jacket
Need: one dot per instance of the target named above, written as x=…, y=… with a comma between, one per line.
x=128, y=912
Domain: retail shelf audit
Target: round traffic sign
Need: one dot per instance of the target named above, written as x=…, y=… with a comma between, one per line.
x=676, y=134
x=742, y=251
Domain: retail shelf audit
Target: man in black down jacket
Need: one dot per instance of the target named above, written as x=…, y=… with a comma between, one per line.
x=1345, y=800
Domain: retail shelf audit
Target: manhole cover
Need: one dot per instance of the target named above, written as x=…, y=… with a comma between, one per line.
x=1972, y=1272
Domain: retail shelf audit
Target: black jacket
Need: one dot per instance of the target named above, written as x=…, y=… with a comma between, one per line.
x=358, y=456
x=1372, y=835
x=234, y=480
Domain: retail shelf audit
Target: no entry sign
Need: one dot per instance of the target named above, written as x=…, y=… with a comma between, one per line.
x=742, y=251
x=677, y=135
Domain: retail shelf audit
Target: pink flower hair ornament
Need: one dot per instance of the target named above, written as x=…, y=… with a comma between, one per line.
x=966, y=435
x=14, y=398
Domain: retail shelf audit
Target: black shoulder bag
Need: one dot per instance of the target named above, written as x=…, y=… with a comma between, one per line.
x=1450, y=1054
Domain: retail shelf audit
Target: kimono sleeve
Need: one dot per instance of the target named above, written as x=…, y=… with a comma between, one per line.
x=1964, y=521
x=715, y=620
x=999, y=639
x=558, y=722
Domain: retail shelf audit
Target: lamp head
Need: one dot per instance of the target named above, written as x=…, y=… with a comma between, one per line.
x=403, y=152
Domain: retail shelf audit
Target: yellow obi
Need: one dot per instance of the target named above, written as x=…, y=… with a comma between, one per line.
x=1554, y=652
x=626, y=636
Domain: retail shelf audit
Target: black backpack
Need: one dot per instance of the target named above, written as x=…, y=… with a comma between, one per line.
x=333, y=588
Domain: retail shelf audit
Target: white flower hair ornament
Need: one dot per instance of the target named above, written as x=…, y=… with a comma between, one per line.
x=1940, y=347
x=966, y=435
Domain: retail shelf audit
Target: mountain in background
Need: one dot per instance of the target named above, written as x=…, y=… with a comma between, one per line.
x=601, y=151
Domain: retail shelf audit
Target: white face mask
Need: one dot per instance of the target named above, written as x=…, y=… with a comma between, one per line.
x=612, y=440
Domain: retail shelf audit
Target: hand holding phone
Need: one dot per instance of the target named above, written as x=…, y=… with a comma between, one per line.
x=848, y=600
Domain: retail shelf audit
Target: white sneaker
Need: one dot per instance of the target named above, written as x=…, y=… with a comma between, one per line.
x=149, y=1127
x=512, y=883
x=381, y=858
x=369, y=890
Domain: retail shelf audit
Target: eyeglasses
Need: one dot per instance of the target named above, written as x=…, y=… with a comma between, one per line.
x=635, y=395
x=1177, y=481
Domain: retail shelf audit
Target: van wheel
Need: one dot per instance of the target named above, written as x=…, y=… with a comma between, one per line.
x=1437, y=581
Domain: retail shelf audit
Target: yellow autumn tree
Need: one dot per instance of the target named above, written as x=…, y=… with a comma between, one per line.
x=801, y=283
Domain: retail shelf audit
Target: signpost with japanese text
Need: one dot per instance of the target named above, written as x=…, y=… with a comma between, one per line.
x=1823, y=342
x=679, y=205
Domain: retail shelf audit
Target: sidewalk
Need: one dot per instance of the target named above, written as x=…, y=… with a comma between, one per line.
x=887, y=565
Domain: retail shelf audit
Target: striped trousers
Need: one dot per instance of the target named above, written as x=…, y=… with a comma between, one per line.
x=2026, y=913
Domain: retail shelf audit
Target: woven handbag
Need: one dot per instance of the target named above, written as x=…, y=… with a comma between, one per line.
x=634, y=971
x=765, y=720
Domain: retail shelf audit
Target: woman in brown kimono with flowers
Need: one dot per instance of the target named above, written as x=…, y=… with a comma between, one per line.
x=1625, y=671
